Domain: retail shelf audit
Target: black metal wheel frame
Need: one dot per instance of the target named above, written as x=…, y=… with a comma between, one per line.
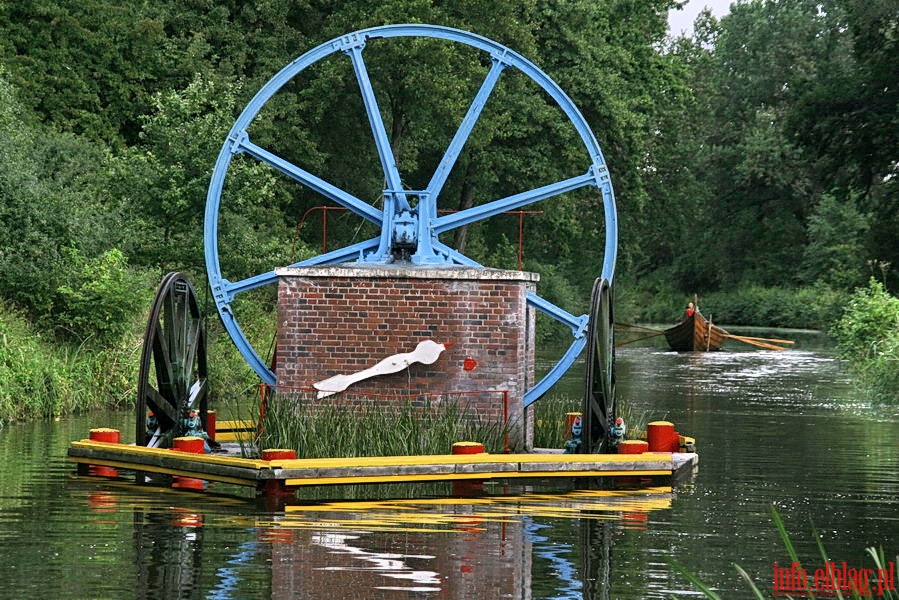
x=599, y=405
x=173, y=378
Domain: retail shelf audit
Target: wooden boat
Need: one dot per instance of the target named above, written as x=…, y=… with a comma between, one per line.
x=695, y=333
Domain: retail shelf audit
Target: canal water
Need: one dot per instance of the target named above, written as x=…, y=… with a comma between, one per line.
x=774, y=429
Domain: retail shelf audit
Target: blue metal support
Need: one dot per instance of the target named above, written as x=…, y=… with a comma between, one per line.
x=485, y=211
x=555, y=374
x=394, y=198
x=578, y=325
x=464, y=131
x=243, y=144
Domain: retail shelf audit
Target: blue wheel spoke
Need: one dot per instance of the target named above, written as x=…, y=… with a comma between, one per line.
x=578, y=325
x=484, y=211
x=335, y=256
x=454, y=254
x=382, y=142
x=468, y=122
x=363, y=209
x=560, y=368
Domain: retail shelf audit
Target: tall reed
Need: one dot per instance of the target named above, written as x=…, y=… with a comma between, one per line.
x=316, y=430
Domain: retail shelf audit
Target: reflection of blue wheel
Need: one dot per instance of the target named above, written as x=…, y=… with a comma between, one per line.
x=409, y=222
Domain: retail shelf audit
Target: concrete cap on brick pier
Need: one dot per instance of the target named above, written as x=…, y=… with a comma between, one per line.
x=408, y=271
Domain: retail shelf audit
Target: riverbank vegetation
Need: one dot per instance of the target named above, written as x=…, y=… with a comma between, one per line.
x=753, y=162
x=868, y=335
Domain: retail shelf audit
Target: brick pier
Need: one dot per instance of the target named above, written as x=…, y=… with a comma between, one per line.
x=342, y=319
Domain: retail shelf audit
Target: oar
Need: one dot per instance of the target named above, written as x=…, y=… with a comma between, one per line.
x=753, y=342
x=776, y=341
x=637, y=331
x=646, y=337
x=643, y=327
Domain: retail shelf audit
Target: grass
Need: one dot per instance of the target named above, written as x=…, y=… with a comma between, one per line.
x=43, y=377
x=317, y=429
x=834, y=591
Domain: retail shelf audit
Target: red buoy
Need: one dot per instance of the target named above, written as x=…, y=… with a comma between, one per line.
x=468, y=487
x=110, y=436
x=468, y=448
x=278, y=454
x=193, y=445
x=633, y=447
x=105, y=434
x=661, y=436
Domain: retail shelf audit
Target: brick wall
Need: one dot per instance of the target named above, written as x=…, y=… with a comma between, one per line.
x=343, y=319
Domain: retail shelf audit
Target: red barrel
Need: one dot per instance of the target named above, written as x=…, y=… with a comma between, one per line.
x=210, y=424
x=111, y=436
x=189, y=443
x=661, y=437
x=468, y=448
x=105, y=434
x=193, y=445
x=633, y=447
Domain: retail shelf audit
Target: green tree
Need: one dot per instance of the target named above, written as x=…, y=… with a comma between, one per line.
x=835, y=252
x=760, y=182
x=846, y=118
x=89, y=67
x=46, y=204
x=98, y=297
x=164, y=180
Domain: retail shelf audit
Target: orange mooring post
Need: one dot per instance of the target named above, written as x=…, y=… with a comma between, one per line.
x=210, y=424
x=468, y=448
x=193, y=445
x=468, y=487
x=276, y=487
x=111, y=436
x=633, y=447
x=278, y=454
x=661, y=437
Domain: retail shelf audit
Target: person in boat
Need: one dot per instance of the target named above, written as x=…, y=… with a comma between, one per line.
x=689, y=311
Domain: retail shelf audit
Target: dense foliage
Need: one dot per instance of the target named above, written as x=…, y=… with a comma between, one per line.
x=868, y=335
x=755, y=159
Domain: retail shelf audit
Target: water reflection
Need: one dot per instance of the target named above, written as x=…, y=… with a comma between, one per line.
x=450, y=547
x=490, y=547
x=773, y=428
x=168, y=553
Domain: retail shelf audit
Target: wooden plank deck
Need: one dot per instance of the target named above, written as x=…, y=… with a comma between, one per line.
x=383, y=469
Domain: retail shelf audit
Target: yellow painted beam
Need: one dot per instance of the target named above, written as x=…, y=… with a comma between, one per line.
x=164, y=471
x=235, y=425
x=217, y=459
x=479, y=476
x=460, y=459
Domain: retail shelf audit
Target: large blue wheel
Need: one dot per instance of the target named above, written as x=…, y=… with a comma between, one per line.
x=409, y=222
